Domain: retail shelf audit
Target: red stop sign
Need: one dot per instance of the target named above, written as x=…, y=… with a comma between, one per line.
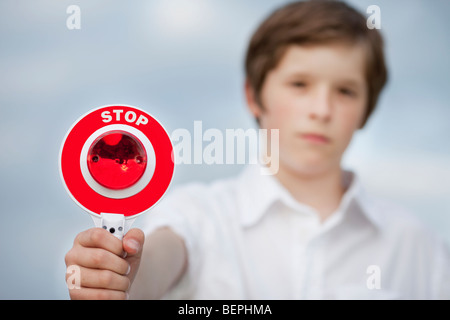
x=116, y=159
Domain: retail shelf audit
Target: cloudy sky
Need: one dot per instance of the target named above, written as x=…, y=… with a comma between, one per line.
x=182, y=61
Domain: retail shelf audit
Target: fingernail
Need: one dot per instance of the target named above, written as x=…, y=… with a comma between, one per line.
x=128, y=270
x=134, y=245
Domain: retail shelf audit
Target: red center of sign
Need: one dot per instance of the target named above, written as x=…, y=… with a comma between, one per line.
x=117, y=160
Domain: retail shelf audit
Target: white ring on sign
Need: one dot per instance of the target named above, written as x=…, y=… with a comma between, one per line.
x=135, y=188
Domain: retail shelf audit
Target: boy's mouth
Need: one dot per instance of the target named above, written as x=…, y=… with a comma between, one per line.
x=314, y=138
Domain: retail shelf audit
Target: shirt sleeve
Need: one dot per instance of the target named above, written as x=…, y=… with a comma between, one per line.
x=182, y=211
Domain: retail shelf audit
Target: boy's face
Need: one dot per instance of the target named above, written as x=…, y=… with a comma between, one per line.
x=316, y=97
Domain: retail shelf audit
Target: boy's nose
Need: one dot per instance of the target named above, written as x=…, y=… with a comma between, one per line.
x=321, y=106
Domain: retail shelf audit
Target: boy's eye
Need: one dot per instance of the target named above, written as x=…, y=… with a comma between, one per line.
x=298, y=84
x=347, y=92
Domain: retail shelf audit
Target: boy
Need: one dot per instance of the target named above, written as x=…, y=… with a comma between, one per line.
x=314, y=71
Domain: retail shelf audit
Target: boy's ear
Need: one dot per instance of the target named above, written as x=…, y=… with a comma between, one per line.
x=252, y=103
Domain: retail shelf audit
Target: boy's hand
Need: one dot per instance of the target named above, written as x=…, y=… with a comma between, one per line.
x=107, y=265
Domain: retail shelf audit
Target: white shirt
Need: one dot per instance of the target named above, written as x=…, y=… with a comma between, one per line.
x=248, y=238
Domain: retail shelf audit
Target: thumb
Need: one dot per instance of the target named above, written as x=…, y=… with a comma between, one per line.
x=133, y=241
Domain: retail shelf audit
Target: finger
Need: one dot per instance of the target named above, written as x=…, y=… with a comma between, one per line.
x=97, y=294
x=95, y=258
x=133, y=242
x=99, y=238
x=103, y=279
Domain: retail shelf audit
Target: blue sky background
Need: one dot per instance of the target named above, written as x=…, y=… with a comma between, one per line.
x=182, y=60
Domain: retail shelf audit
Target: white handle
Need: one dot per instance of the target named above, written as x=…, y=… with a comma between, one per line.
x=115, y=223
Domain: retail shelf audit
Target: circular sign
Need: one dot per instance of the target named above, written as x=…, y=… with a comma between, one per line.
x=116, y=159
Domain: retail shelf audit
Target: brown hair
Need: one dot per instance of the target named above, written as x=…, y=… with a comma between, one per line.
x=314, y=22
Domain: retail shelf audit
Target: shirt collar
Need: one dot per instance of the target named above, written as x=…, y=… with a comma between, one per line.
x=258, y=193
